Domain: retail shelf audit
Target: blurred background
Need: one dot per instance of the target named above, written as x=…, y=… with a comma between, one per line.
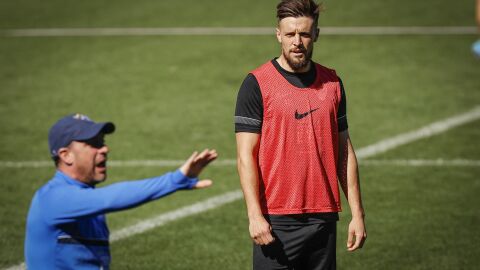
x=170, y=94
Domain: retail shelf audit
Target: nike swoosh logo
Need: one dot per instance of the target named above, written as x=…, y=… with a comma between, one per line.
x=299, y=116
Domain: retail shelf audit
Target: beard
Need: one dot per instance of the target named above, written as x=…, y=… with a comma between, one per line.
x=296, y=63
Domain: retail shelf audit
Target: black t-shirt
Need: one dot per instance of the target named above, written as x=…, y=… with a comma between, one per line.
x=249, y=108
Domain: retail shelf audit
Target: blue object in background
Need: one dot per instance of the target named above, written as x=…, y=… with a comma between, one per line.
x=476, y=48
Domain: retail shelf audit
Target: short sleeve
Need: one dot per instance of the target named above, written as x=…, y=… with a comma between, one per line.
x=249, y=107
x=342, y=110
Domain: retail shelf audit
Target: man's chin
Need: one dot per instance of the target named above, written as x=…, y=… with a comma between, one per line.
x=100, y=177
x=297, y=64
x=298, y=61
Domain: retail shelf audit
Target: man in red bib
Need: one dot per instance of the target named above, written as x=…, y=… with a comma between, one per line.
x=294, y=150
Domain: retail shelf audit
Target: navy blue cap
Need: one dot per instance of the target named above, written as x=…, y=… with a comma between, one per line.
x=75, y=127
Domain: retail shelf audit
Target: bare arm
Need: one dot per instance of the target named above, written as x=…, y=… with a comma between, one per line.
x=478, y=13
x=349, y=181
x=247, y=162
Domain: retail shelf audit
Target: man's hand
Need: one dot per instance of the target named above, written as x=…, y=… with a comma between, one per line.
x=196, y=163
x=260, y=231
x=357, y=233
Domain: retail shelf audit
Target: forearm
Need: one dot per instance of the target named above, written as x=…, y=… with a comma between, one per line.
x=78, y=203
x=259, y=228
x=478, y=14
x=342, y=162
x=132, y=193
x=249, y=181
x=353, y=193
x=357, y=232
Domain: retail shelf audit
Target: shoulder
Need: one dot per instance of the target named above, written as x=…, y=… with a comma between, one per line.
x=325, y=70
x=249, y=82
x=55, y=189
x=266, y=67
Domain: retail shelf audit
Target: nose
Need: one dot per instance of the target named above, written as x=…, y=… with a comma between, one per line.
x=297, y=41
x=104, y=149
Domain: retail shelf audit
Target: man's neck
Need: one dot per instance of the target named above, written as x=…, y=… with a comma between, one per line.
x=73, y=175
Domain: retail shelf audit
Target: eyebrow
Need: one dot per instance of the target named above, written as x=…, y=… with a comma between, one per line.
x=300, y=32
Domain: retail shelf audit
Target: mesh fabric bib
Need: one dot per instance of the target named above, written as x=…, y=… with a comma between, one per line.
x=299, y=143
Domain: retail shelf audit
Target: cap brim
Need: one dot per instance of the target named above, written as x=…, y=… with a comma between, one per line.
x=94, y=130
x=108, y=127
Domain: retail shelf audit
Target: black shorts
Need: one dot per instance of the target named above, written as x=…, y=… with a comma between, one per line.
x=298, y=247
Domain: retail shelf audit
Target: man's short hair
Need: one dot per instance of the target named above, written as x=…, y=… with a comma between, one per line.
x=299, y=8
x=56, y=161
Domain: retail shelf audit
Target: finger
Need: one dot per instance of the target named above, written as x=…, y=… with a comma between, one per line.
x=210, y=158
x=358, y=240
x=202, y=155
x=350, y=239
x=206, y=157
x=364, y=237
x=185, y=168
x=270, y=234
x=269, y=238
x=264, y=240
x=259, y=238
x=256, y=239
x=213, y=155
x=192, y=157
x=203, y=184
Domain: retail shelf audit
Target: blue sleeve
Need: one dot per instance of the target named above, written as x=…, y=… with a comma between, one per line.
x=67, y=204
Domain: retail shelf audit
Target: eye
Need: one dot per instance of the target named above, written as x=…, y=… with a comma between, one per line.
x=96, y=142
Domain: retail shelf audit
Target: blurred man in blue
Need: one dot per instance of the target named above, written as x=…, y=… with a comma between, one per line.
x=66, y=225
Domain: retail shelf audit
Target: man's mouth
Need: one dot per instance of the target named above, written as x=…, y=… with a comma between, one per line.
x=298, y=51
x=102, y=164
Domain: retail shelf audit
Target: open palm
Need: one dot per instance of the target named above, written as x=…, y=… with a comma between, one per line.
x=196, y=163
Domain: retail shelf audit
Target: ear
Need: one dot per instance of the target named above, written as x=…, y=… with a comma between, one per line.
x=278, y=34
x=317, y=33
x=65, y=155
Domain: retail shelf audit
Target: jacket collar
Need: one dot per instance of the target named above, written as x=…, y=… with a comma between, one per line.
x=62, y=176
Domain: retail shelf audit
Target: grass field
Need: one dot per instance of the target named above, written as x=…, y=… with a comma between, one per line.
x=170, y=95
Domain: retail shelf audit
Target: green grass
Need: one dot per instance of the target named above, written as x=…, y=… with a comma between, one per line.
x=459, y=143
x=153, y=95
x=417, y=218
x=170, y=13
x=406, y=222
x=171, y=95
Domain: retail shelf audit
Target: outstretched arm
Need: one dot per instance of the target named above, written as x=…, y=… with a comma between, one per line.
x=349, y=181
x=247, y=162
x=70, y=203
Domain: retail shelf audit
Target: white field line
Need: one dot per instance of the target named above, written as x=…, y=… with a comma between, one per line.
x=233, y=31
x=20, y=266
x=114, y=163
x=232, y=162
x=186, y=211
x=422, y=162
x=217, y=201
x=362, y=153
x=424, y=132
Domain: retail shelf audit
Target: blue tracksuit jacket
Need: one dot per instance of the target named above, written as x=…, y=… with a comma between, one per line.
x=66, y=226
